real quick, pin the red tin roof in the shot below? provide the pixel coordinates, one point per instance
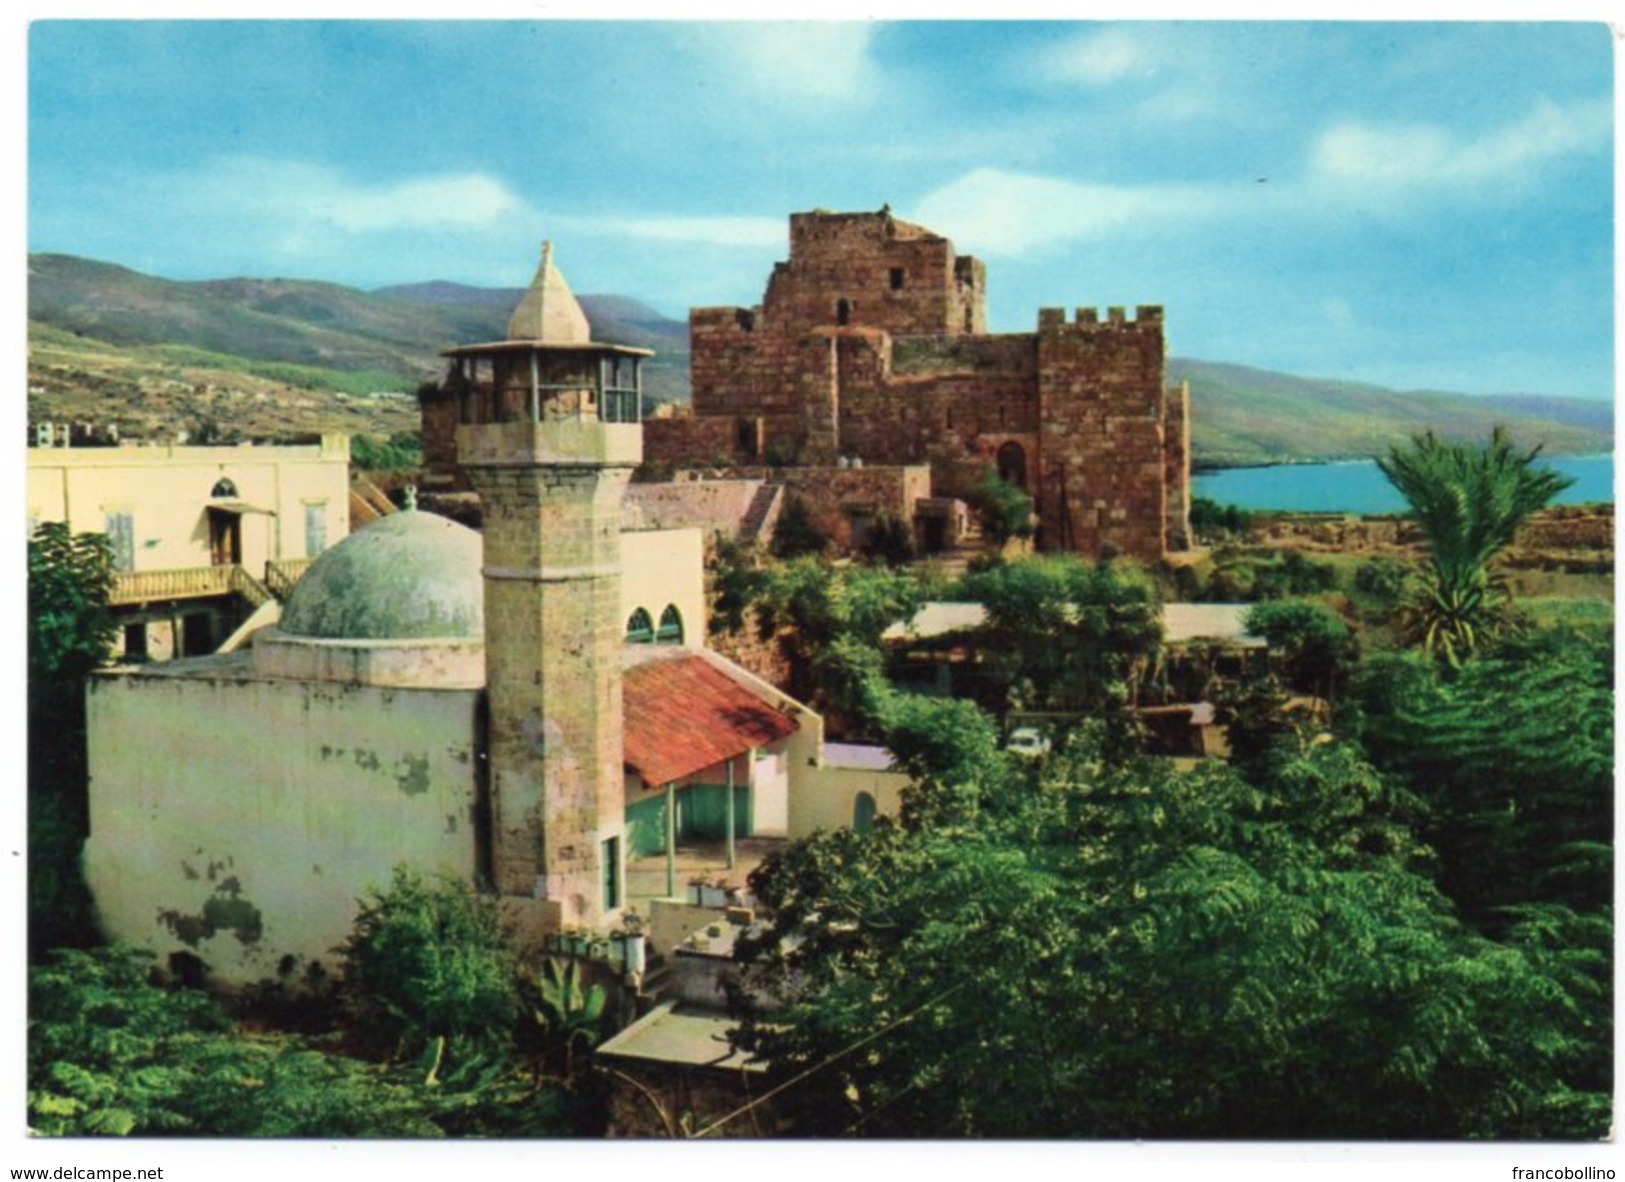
(683, 715)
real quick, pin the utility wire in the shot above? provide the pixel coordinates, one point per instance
(819, 1066)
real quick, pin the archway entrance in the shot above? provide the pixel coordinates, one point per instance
(863, 813)
(1012, 458)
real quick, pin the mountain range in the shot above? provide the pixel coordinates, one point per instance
(283, 356)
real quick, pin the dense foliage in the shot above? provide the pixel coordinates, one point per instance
(1118, 950)
(1004, 511)
(400, 452)
(1212, 522)
(1065, 635)
(1514, 755)
(429, 971)
(796, 534)
(70, 633)
(111, 1053)
(1314, 648)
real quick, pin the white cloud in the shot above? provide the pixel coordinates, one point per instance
(1099, 58)
(1417, 155)
(803, 59)
(1003, 213)
(296, 200)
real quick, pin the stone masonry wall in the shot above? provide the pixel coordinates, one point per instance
(674, 442)
(885, 273)
(837, 497)
(552, 557)
(1101, 438)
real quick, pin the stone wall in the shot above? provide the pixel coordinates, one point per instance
(841, 501)
(554, 629)
(870, 343)
(1570, 527)
(1102, 444)
(669, 443)
(714, 506)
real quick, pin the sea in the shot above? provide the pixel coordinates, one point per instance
(1358, 486)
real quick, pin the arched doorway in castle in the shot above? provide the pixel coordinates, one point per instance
(1012, 460)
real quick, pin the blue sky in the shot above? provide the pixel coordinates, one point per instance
(1417, 205)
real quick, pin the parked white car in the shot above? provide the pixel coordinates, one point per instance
(1028, 742)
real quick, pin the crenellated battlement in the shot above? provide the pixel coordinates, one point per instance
(1145, 316)
(871, 340)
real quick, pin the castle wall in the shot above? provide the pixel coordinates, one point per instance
(669, 443)
(842, 502)
(891, 275)
(1101, 436)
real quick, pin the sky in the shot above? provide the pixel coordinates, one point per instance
(1418, 205)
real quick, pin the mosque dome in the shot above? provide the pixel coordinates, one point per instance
(406, 576)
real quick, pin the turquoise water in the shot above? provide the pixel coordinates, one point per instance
(1357, 486)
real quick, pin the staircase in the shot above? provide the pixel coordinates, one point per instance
(367, 502)
(652, 989)
(762, 514)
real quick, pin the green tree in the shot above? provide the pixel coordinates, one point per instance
(1514, 756)
(1065, 635)
(1314, 647)
(112, 1053)
(70, 633)
(402, 451)
(1122, 950)
(809, 604)
(1468, 502)
(796, 534)
(1004, 511)
(429, 970)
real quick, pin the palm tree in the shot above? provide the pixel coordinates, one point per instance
(1469, 502)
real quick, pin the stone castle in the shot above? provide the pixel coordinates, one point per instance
(870, 346)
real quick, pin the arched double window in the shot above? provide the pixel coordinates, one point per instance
(223, 488)
(640, 629)
(671, 626)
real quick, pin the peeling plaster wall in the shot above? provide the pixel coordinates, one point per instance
(241, 820)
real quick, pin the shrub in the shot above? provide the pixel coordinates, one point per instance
(890, 540)
(1004, 510)
(796, 533)
(1210, 520)
(429, 968)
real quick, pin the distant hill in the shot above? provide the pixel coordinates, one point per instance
(109, 342)
(1242, 416)
(396, 333)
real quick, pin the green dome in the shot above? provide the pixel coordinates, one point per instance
(407, 576)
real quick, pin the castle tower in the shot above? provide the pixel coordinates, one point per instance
(549, 432)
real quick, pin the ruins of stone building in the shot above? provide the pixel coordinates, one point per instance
(870, 345)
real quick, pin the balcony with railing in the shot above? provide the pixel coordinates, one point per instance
(204, 582)
(148, 586)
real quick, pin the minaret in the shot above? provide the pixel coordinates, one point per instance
(549, 432)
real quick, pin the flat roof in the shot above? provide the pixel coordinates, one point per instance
(681, 1038)
(858, 757)
(1181, 623)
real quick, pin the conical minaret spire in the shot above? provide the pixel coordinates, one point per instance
(549, 312)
